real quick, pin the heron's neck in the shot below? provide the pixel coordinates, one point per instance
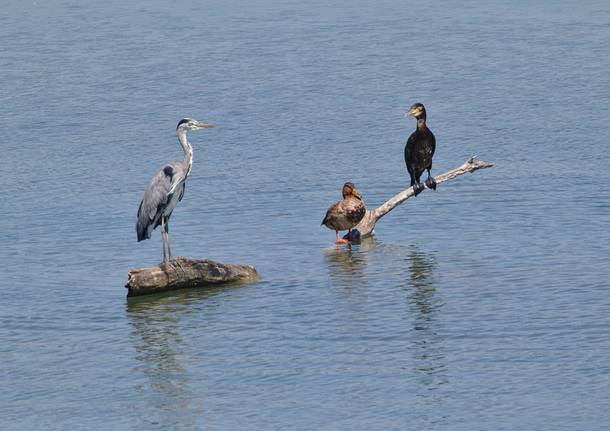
(188, 151)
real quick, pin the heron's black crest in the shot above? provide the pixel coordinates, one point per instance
(184, 120)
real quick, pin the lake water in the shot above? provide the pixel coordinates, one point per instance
(483, 305)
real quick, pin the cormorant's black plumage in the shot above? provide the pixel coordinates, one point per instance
(419, 150)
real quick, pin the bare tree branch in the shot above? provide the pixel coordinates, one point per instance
(367, 224)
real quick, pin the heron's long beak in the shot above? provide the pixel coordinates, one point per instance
(205, 125)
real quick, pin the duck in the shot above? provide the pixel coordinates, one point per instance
(419, 150)
(345, 214)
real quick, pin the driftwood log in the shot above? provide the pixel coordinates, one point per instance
(367, 224)
(182, 272)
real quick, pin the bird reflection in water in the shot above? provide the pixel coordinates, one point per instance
(156, 327)
(424, 310)
(349, 262)
(421, 267)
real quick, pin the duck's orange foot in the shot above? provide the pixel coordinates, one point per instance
(339, 240)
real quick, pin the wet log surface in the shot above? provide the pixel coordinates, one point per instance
(182, 272)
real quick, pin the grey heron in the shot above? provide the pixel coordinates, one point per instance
(166, 189)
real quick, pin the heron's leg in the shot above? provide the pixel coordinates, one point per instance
(164, 239)
(169, 248)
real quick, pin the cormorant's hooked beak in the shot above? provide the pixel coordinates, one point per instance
(357, 194)
(414, 112)
(204, 125)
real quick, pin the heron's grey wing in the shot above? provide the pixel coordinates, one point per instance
(178, 180)
(154, 200)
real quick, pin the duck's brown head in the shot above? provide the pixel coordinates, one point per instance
(349, 189)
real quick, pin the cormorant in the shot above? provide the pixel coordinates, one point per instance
(346, 214)
(419, 150)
